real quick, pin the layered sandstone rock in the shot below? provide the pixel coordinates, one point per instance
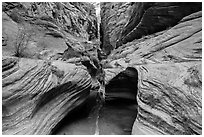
(44, 47)
(77, 18)
(113, 17)
(152, 76)
(44, 30)
(124, 22)
(181, 43)
(38, 94)
(170, 78)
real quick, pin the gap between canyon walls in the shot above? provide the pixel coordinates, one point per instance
(109, 110)
(109, 68)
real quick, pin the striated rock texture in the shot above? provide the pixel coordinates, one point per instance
(53, 69)
(77, 18)
(38, 94)
(113, 15)
(47, 30)
(124, 22)
(49, 63)
(169, 77)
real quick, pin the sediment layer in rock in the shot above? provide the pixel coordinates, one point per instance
(170, 78)
(37, 94)
(153, 74)
(125, 22)
(49, 30)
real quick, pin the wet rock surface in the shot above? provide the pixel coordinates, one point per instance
(142, 77)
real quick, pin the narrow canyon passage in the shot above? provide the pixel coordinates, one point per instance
(113, 119)
(113, 116)
(101, 68)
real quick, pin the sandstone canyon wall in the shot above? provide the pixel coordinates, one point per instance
(45, 45)
(124, 22)
(163, 41)
(137, 72)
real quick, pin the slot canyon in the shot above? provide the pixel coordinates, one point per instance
(101, 68)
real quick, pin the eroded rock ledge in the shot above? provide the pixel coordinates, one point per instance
(38, 94)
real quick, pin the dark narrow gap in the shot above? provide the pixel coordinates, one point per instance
(114, 116)
(120, 108)
(101, 36)
(79, 113)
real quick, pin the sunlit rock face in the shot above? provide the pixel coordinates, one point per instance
(77, 18)
(170, 99)
(169, 78)
(38, 94)
(124, 22)
(48, 29)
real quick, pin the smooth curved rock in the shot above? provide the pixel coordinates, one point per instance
(123, 22)
(169, 99)
(37, 94)
(169, 78)
(157, 17)
(153, 84)
(181, 43)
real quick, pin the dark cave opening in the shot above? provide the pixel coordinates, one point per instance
(115, 115)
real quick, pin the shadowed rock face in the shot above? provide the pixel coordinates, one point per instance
(120, 108)
(156, 17)
(123, 86)
(124, 22)
(37, 94)
(115, 116)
